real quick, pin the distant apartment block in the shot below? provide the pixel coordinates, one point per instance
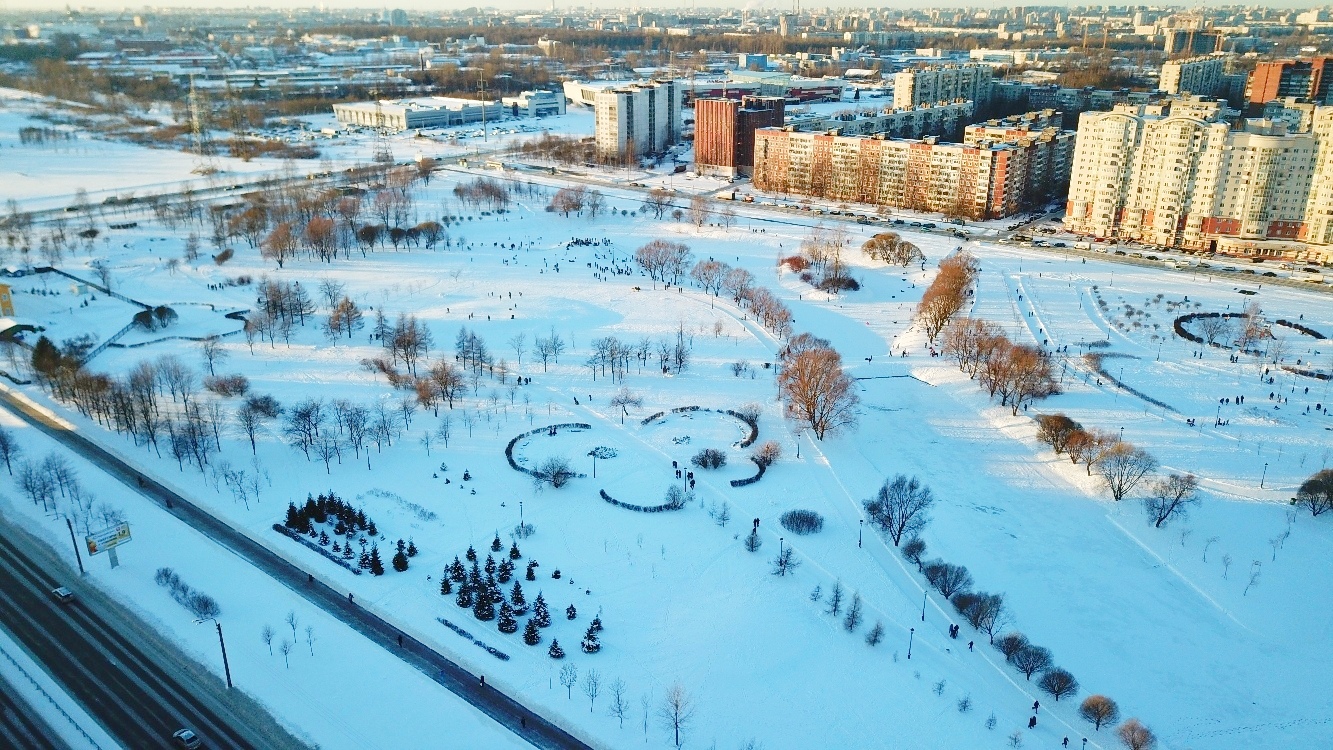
(409, 114)
(939, 83)
(1304, 79)
(724, 132)
(944, 119)
(1192, 42)
(1175, 175)
(640, 119)
(1204, 75)
(984, 179)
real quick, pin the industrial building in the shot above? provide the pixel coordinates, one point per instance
(410, 114)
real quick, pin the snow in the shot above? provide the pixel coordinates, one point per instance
(59, 710)
(1134, 612)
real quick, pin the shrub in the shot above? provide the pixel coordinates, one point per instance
(709, 458)
(839, 283)
(796, 263)
(677, 497)
(228, 385)
(554, 470)
(802, 521)
(224, 256)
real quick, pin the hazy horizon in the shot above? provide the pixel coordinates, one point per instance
(526, 5)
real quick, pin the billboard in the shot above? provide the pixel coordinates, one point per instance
(108, 538)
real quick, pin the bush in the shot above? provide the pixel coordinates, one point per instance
(224, 256)
(709, 458)
(228, 385)
(802, 522)
(767, 454)
(554, 470)
(839, 283)
(796, 263)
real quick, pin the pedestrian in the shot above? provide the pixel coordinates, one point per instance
(1065, 743)
(310, 578)
(523, 722)
(1035, 705)
(400, 640)
(483, 680)
(349, 598)
(969, 645)
(1032, 722)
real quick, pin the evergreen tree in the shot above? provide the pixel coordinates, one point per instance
(400, 561)
(532, 635)
(484, 609)
(507, 623)
(495, 545)
(45, 357)
(471, 554)
(293, 518)
(411, 548)
(555, 652)
(376, 564)
(371, 530)
(596, 625)
(532, 567)
(363, 562)
(590, 643)
(457, 572)
(490, 565)
(464, 597)
(446, 588)
(571, 613)
(474, 576)
(402, 546)
(323, 539)
(514, 554)
(516, 598)
(540, 613)
(505, 571)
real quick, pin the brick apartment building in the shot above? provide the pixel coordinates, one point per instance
(724, 132)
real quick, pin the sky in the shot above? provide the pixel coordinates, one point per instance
(429, 5)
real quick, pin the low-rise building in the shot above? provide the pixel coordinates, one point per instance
(410, 114)
(535, 103)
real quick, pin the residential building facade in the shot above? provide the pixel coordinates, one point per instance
(641, 119)
(940, 83)
(1204, 75)
(724, 132)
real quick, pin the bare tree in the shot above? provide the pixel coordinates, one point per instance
(853, 619)
(1213, 326)
(1171, 497)
(677, 711)
(1099, 711)
(266, 635)
(817, 391)
(592, 685)
(10, 449)
(285, 648)
(901, 507)
(784, 563)
(569, 676)
(1315, 494)
(1032, 659)
(1055, 430)
(1135, 736)
(518, 342)
(700, 211)
(619, 706)
(947, 578)
(985, 612)
(213, 354)
(1124, 467)
(1058, 683)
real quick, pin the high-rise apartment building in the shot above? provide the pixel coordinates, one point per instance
(1190, 41)
(943, 83)
(724, 132)
(1203, 76)
(1311, 80)
(1175, 175)
(984, 179)
(640, 119)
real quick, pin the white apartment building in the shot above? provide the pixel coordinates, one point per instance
(1204, 75)
(943, 83)
(1173, 175)
(641, 119)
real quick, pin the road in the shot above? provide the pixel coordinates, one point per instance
(504, 709)
(21, 727)
(139, 686)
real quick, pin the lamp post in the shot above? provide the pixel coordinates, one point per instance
(1264, 476)
(75, 541)
(520, 514)
(924, 594)
(226, 667)
(860, 524)
(911, 634)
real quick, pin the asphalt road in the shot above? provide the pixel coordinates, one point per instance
(504, 709)
(21, 727)
(137, 685)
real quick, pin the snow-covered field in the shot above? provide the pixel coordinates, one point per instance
(1132, 611)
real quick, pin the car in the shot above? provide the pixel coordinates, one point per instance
(928, 225)
(186, 738)
(62, 594)
(899, 222)
(1060, 244)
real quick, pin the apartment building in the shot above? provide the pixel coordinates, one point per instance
(945, 119)
(942, 83)
(1311, 80)
(984, 179)
(1175, 174)
(640, 119)
(1204, 75)
(724, 132)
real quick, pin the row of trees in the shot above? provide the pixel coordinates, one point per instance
(1017, 373)
(947, 293)
(1121, 465)
(576, 200)
(891, 248)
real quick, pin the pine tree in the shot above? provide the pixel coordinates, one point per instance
(571, 613)
(507, 623)
(875, 635)
(411, 548)
(371, 530)
(446, 588)
(484, 609)
(464, 597)
(402, 546)
(514, 554)
(495, 545)
(490, 565)
(293, 517)
(474, 576)
(376, 564)
(540, 613)
(323, 539)
(596, 625)
(555, 652)
(532, 567)
(590, 643)
(505, 571)
(457, 572)
(532, 635)
(363, 562)
(400, 561)
(516, 598)
(471, 554)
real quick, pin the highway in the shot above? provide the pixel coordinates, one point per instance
(21, 727)
(504, 709)
(139, 686)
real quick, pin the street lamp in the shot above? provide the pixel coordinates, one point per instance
(226, 667)
(1264, 476)
(924, 593)
(860, 524)
(911, 634)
